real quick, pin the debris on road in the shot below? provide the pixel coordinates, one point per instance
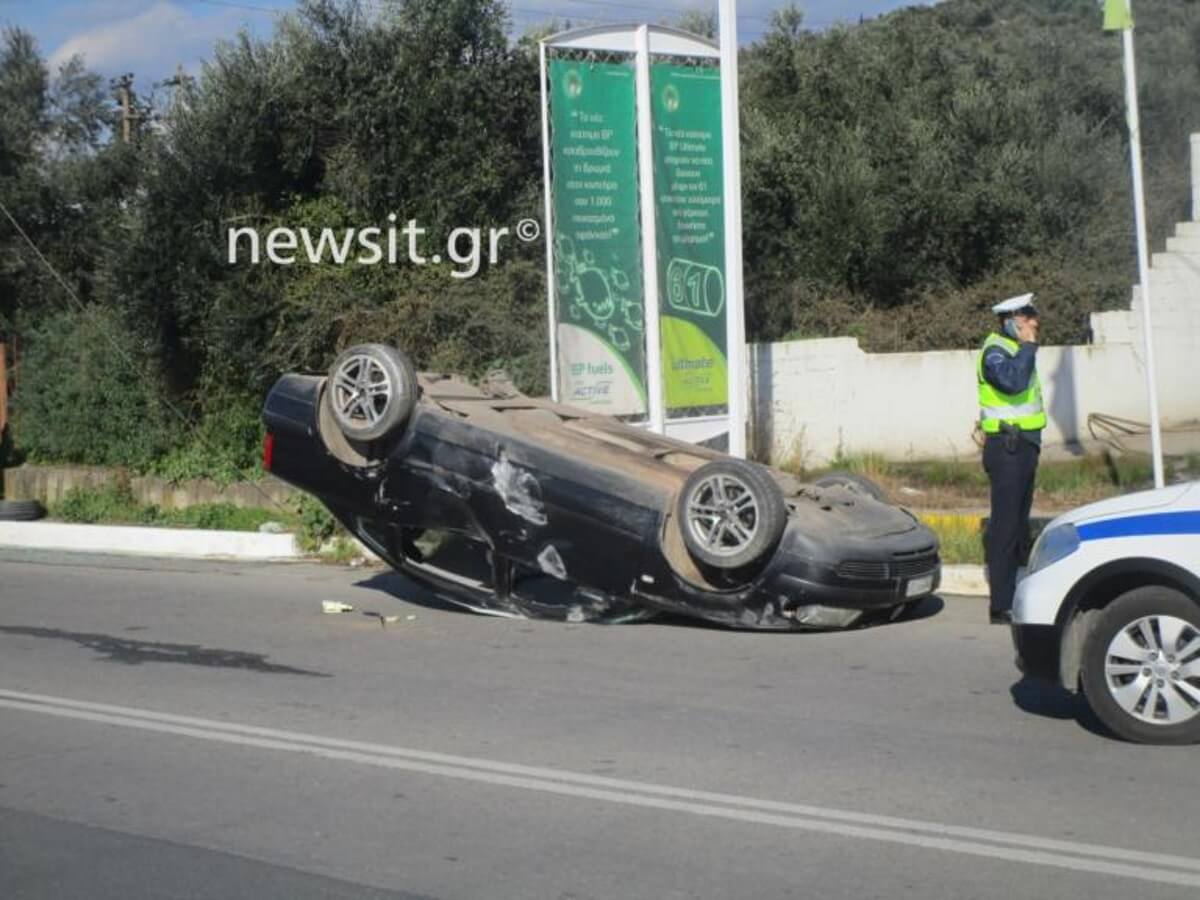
(333, 607)
(384, 621)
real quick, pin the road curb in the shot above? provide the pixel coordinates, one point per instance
(195, 543)
(968, 580)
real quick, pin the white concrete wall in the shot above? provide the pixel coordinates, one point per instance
(814, 398)
(1196, 177)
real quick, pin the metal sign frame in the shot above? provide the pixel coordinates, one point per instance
(643, 42)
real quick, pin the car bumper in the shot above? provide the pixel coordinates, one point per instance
(1038, 597)
(1037, 649)
(792, 597)
(830, 591)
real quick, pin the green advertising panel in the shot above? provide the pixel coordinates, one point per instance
(688, 188)
(597, 248)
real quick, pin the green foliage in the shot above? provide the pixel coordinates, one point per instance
(220, 517)
(88, 396)
(57, 177)
(315, 524)
(944, 474)
(902, 174)
(342, 549)
(115, 504)
(224, 446)
(1055, 480)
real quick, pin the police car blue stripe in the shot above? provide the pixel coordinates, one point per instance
(1143, 525)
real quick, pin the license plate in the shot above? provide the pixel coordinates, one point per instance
(918, 586)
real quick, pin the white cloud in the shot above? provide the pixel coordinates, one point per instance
(150, 43)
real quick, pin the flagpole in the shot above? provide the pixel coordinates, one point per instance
(1139, 208)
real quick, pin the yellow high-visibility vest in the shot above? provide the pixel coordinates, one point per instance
(1024, 410)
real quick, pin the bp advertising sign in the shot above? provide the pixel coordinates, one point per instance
(688, 190)
(597, 250)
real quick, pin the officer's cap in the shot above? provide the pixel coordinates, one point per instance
(1022, 304)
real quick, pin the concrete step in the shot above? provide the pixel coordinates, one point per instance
(1188, 229)
(1182, 297)
(1188, 245)
(1180, 267)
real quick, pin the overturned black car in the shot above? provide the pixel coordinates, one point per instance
(517, 506)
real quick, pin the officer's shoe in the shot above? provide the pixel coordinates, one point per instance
(1000, 616)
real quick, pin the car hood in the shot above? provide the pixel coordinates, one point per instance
(1175, 495)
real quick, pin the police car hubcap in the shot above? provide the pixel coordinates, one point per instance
(1152, 668)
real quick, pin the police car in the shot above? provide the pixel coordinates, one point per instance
(1110, 605)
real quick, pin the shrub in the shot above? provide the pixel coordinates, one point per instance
(225, 446)
(88, 395)
(316, 524)
(113, 503)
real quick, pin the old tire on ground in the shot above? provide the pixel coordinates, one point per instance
(1141, 666)
(371, 391)
(20, 510)
(860, 484)
(732, 514)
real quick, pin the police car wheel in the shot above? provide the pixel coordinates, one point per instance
(1141, 667)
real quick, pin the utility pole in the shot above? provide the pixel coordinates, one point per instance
(179, 81)
(124, 88)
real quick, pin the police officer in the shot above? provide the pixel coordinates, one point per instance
(1012, 416)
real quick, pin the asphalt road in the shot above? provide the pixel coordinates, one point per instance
(191, 730)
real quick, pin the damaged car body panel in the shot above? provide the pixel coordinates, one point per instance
(517, 506)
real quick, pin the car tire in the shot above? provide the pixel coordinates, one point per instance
(731, 513)
(859, 484)
(1134, 676)
(20, 510)
(372, 390)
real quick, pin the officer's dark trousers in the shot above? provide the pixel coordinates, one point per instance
(1011, 463)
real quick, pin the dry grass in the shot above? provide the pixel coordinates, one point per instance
(963, 484)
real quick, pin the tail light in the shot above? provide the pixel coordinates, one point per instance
(268, 451)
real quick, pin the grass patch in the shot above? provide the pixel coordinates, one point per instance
(960, 537)
(869, 465)
(114, 504)
(958, 484)
(317, 531)
(943, 474)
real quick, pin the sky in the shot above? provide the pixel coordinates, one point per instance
(151, 38)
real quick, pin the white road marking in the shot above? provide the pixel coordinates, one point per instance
(1011, 846)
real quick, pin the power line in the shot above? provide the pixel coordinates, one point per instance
(230, 5)
(665, 12)
(120, 351)
(643, 8)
